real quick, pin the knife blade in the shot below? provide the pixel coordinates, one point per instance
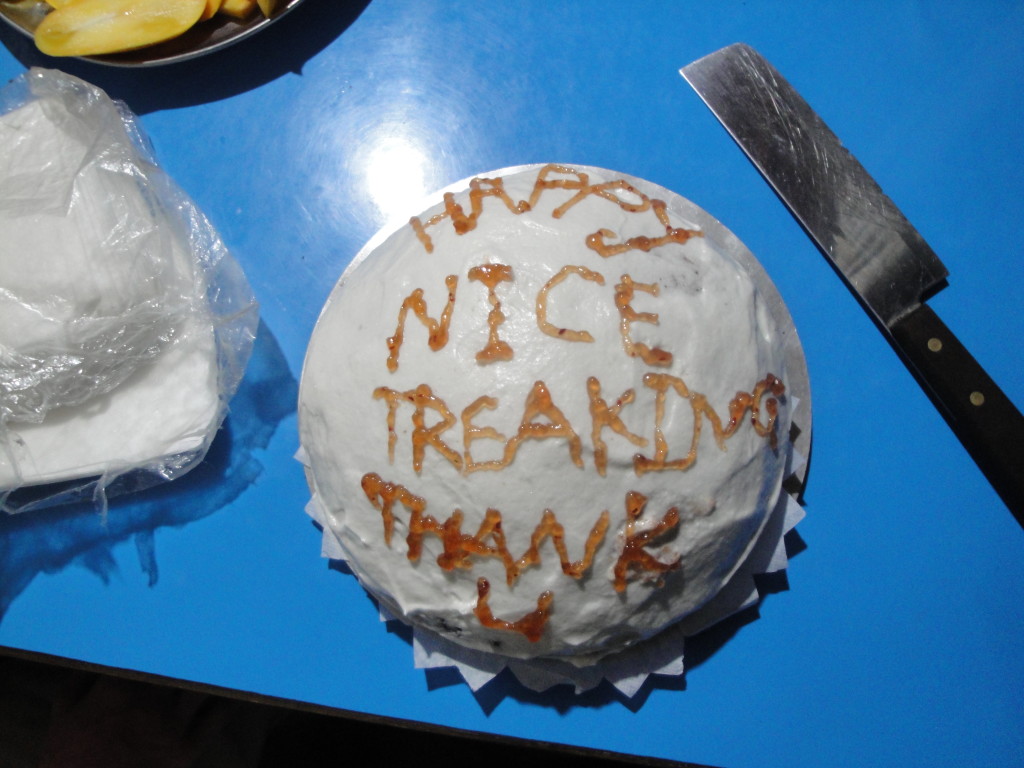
(883, 260)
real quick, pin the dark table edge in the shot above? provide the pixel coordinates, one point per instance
(317, 724)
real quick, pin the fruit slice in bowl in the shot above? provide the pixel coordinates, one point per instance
(140, 33)
(97, 27)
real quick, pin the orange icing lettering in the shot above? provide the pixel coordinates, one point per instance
(421, 398)
(662, 382)
(459, 547)
(550, 527)
(680, 235)
(624, 292)
(539, 403)
(542, 303)
(603, 416)
(490, 275)
(752, 401)
(531, 625)
(577, 182)
(580, 181)
(604, 190)
(461, 222)
(437, 330)
(634, 556)
(471, 432)
(383, 495)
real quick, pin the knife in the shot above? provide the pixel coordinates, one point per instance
(883, 260)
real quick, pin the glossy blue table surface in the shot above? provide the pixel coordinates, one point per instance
(898, 639)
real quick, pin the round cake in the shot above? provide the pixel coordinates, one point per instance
(549, 416)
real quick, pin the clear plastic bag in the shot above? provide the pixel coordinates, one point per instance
(125, 324)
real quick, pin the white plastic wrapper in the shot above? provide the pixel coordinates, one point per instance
(125, 324)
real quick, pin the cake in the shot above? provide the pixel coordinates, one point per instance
(547, 417)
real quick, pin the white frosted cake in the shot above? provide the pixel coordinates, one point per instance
(548, 417)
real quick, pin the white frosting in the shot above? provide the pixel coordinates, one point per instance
(710, 318)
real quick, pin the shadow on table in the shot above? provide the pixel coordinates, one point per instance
(284, 46)
(49, 540)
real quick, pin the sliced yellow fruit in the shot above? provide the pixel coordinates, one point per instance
(59, 3)
(95, 27)
(239, 9)
(26, 6)
(267, 6)
(212, 6)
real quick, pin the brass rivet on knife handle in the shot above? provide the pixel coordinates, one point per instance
(871, 244)
(987, 423)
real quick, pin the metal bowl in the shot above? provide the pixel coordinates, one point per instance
(205, 37)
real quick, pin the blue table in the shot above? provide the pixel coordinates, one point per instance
(898, 640)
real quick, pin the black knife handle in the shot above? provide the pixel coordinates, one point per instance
(982, 417)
